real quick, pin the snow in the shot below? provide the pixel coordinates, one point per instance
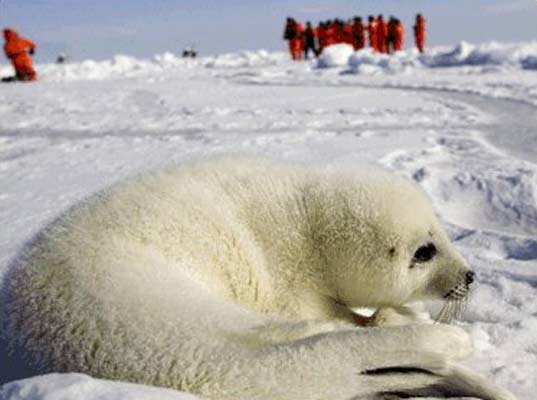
(491, 54)
(335, 56)
(460, 121)
(78, 386)
(368, 63)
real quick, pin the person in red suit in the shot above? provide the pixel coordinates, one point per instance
(19, 51)
(372, 32)
(358, 33)
(420, 33)
(348, 36)
(382, 34)
(297, 43)
(331, 33)
(399, 36)
(294, 33)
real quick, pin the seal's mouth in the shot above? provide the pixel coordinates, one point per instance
(456, 299)
(457, 293)
(455, 304)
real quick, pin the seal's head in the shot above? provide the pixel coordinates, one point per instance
(386, 247)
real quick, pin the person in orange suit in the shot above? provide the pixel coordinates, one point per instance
(289, 33)
(293, 33)
(358, 33)
(19, 50)
(297, 43)
(331, 33)
(372, 32)
(338, 30)
(399, 35)
(382, 35)
(420, 33)
(348, 36)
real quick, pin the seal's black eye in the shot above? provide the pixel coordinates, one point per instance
(424, 253)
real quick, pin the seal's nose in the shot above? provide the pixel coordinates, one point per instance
(470, 275)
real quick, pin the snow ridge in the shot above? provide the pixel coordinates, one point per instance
(490, 55)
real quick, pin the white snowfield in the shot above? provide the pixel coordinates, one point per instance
(460, 121)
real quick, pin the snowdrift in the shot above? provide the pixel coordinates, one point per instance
(123, 66)
(494, 54)
(502, 200)
(497, 55)
(82, 387)
(335, 56)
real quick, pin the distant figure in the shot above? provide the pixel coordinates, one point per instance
(382, 33)
(372, 32)
(390, 38)
(289, 34)
(19, 51)
(321, 37)
(331, 33)
(338, 31)
(293, 33)
(420, 33)
(309, 41)
(399, 39)
(189, 52)
(358, 33)
(62, 58)
(298, 42)
(348, 36)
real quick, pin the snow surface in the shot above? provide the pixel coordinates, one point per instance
(78, 386)
(460, 121)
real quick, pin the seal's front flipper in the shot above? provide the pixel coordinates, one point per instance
(458, 382)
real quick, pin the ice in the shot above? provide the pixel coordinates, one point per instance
(367, 62)
(78, 387)
(336, 55)
(459, 120)
(492, 55)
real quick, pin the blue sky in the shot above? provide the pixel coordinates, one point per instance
(101, 28)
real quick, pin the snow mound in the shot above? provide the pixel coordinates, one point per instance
(82, 387)
(464, 54)
(122, 66)
(367, 62)
(489, 54)
(118, 66)
(337, 55)
(504, 201)
(245, 59)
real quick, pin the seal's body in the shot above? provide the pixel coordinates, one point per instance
(236, 279)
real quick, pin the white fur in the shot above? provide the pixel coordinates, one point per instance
(235, 279)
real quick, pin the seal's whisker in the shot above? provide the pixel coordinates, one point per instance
(445, 313)
(453, 308)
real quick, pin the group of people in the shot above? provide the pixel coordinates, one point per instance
(383, 36)
(19, 51)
